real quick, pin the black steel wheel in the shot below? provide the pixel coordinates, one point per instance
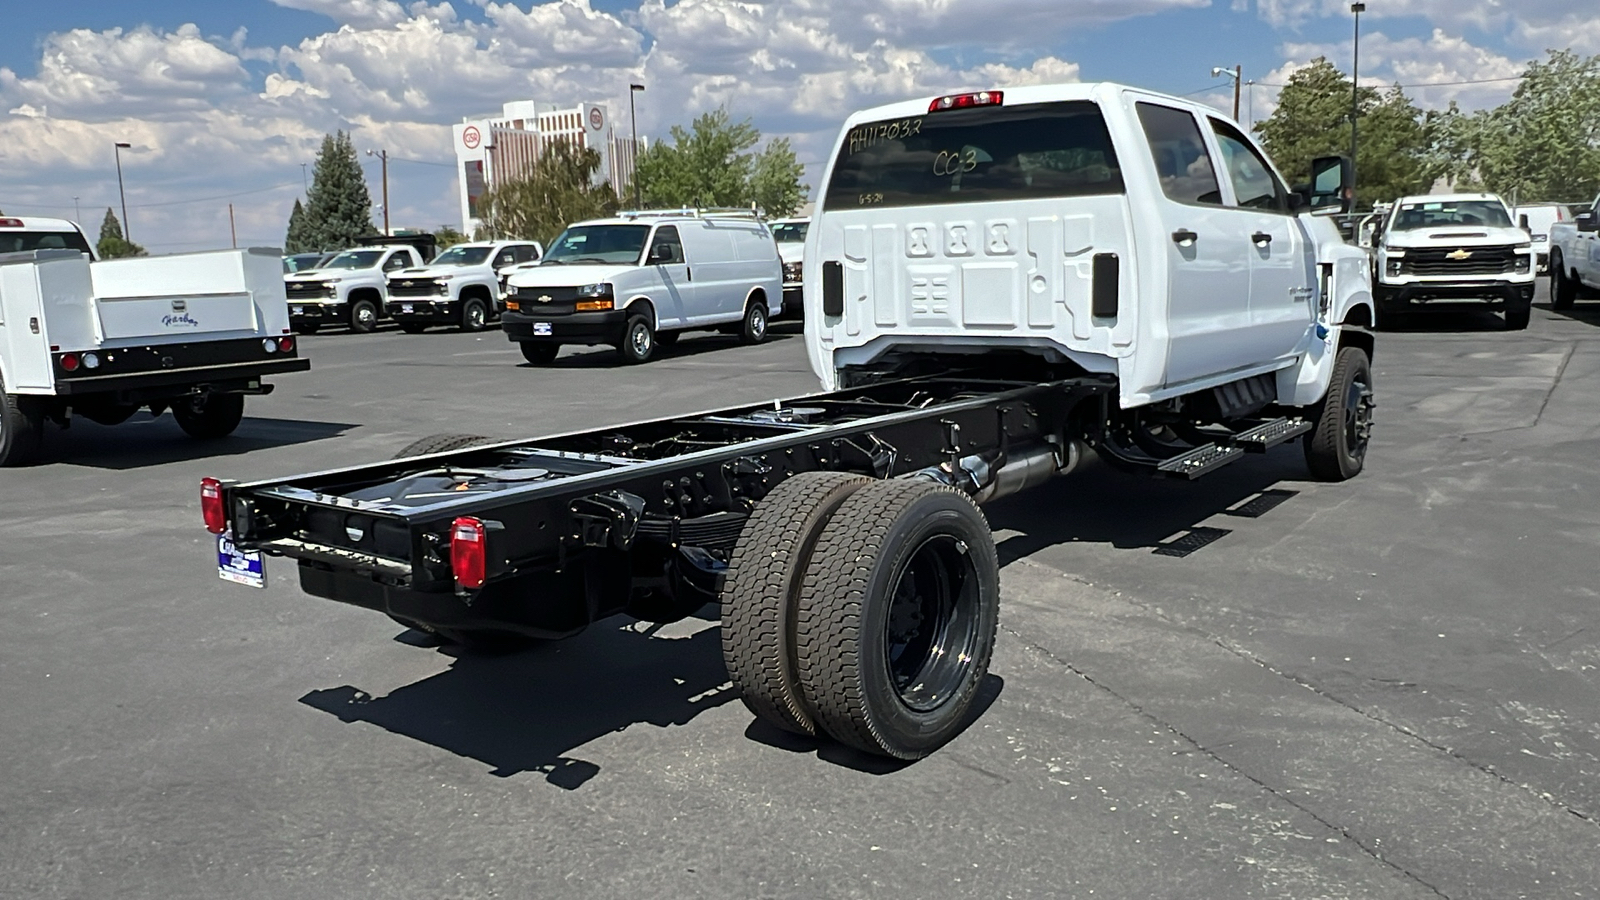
(1336, 449)
(754, 328)
(363, 316)
(896, 617)
(1563, 290)
(21, 429)
(474, 315)
(761, 587)
(538, 353)
(638, 340)
(210, 416)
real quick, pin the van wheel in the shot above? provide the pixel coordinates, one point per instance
(474, 315)
(1563, 290)
(895, 621)
(540, 354)
(363, 316)
(638, 341)
(211, 416)
(21, 429)
(754, 328)
(1336, 448)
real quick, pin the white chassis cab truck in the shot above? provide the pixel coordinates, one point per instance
(349, 289)
(1453, 252)
(460, 286)
(996, 284)
(192, 333)
(1575, 257)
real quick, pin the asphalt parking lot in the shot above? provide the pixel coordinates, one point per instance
(1252, 686)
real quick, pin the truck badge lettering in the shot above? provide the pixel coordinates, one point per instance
(1459, 255)
(184, 320)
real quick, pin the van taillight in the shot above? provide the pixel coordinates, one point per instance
(468, 552)
(962, 101)
(211, 507)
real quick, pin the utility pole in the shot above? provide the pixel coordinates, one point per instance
(1237, 72)
(384, 156)
(633, 153)
(1355, 95)
(232, 228)
(127, 231)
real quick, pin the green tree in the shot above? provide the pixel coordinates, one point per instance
(448, 236)
(1313, 119)
(295, 240)
(1451, 138)
(112, 245)
(713, 163)
(558, 192)
(338, 209)
(1544, 143)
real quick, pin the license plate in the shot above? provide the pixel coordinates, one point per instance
(240, 566)
(407, 307)
(542, 329)
(298, 311)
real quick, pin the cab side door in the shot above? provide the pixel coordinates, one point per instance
(1283, 276)
(676, 299)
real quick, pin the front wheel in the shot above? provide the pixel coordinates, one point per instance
(1563, 290)
(210, 416)
(754, 328)
(363, 316)
(1517, 317)
(540, 354)
(638, 341)
(474, 315)
(1336, 448)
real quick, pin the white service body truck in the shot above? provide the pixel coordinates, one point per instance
(192, 333)
(1575, 257)
(349, 289)
(460, 286)
(1453, 252)
(996, 283)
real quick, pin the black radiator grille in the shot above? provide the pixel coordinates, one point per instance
(1459, 261)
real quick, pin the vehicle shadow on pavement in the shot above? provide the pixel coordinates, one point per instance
(1587, 312)
(143, 441)
(1101, 505)
(528, 711)
(1446, 323)
(689, 346)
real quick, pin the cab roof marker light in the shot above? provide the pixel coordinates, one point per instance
(963, 101)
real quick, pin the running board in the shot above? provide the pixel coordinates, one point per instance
(1199, 461)
(1267, 435)
(1208, 458)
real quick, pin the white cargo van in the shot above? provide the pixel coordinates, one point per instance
(643, 278)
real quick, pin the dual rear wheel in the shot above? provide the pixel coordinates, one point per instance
(864, 610)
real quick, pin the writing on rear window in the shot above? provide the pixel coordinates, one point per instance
(869, 135)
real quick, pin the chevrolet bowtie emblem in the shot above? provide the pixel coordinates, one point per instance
(1459, 255)
(545, 298)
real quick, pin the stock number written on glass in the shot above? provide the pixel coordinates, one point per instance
(869, 199)
(954, 162)
(870, 135)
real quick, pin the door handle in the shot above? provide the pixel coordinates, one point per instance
(1261, 238)
(1184, 237)
(688, 274)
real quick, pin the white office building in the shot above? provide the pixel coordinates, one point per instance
(490, 150)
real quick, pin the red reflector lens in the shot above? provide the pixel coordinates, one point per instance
(962, 101)
(10, 223)
(468, 552)
(69, 362)
(286, 344)
(211, 507)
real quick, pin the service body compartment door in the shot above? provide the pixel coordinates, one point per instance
(182, 297)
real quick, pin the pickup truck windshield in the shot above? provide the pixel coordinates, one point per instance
(462, 256)
(1453, 213)
(28, 241)
(790, 232)
(354, 259)
(976, 155)
(598, 244)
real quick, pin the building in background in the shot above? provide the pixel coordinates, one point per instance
(491, 150)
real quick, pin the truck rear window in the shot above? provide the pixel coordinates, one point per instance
(29, 241)
(976, 155)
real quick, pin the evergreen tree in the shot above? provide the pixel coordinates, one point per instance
(338, 209)
(295, 240)
(112, 245)
(775, 180)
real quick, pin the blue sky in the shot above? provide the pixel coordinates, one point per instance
(223, 101)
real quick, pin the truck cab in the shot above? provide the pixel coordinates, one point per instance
(1453, 252)
(461, 286)
(193, 333)
(349, 288)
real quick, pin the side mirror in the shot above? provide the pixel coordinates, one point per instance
(1332, 178)
(1585, 222)
(1522, 222)
(658, 255)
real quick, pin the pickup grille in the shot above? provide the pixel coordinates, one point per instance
(1450, 263)
(306, 290)
(413, 287)
(535, 297)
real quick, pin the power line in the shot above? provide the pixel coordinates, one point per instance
(217, 197)
(1427, 84)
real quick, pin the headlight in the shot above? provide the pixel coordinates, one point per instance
(791, 271)
(598, 289)
(443, 287)
(511, 290)
(333, 281)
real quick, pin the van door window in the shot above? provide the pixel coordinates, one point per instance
(1254, 185)
(1182, 161)
(666, 249)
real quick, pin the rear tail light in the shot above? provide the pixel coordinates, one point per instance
(962, 101)
(468, 552)
(286, 344)
(69, 362)
(211, 506)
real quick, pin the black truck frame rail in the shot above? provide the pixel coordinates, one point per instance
(640, 518)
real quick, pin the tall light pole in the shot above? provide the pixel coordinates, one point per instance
(127, 233)
(633, 151)
(1235, 73)
(1355, 94)
(304, 181)
(384, 155)
(78, 210)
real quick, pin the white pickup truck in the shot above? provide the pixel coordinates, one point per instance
(192, 333)
(349, 289)
(1575, 257)
(461, 286)
(1453, 252)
